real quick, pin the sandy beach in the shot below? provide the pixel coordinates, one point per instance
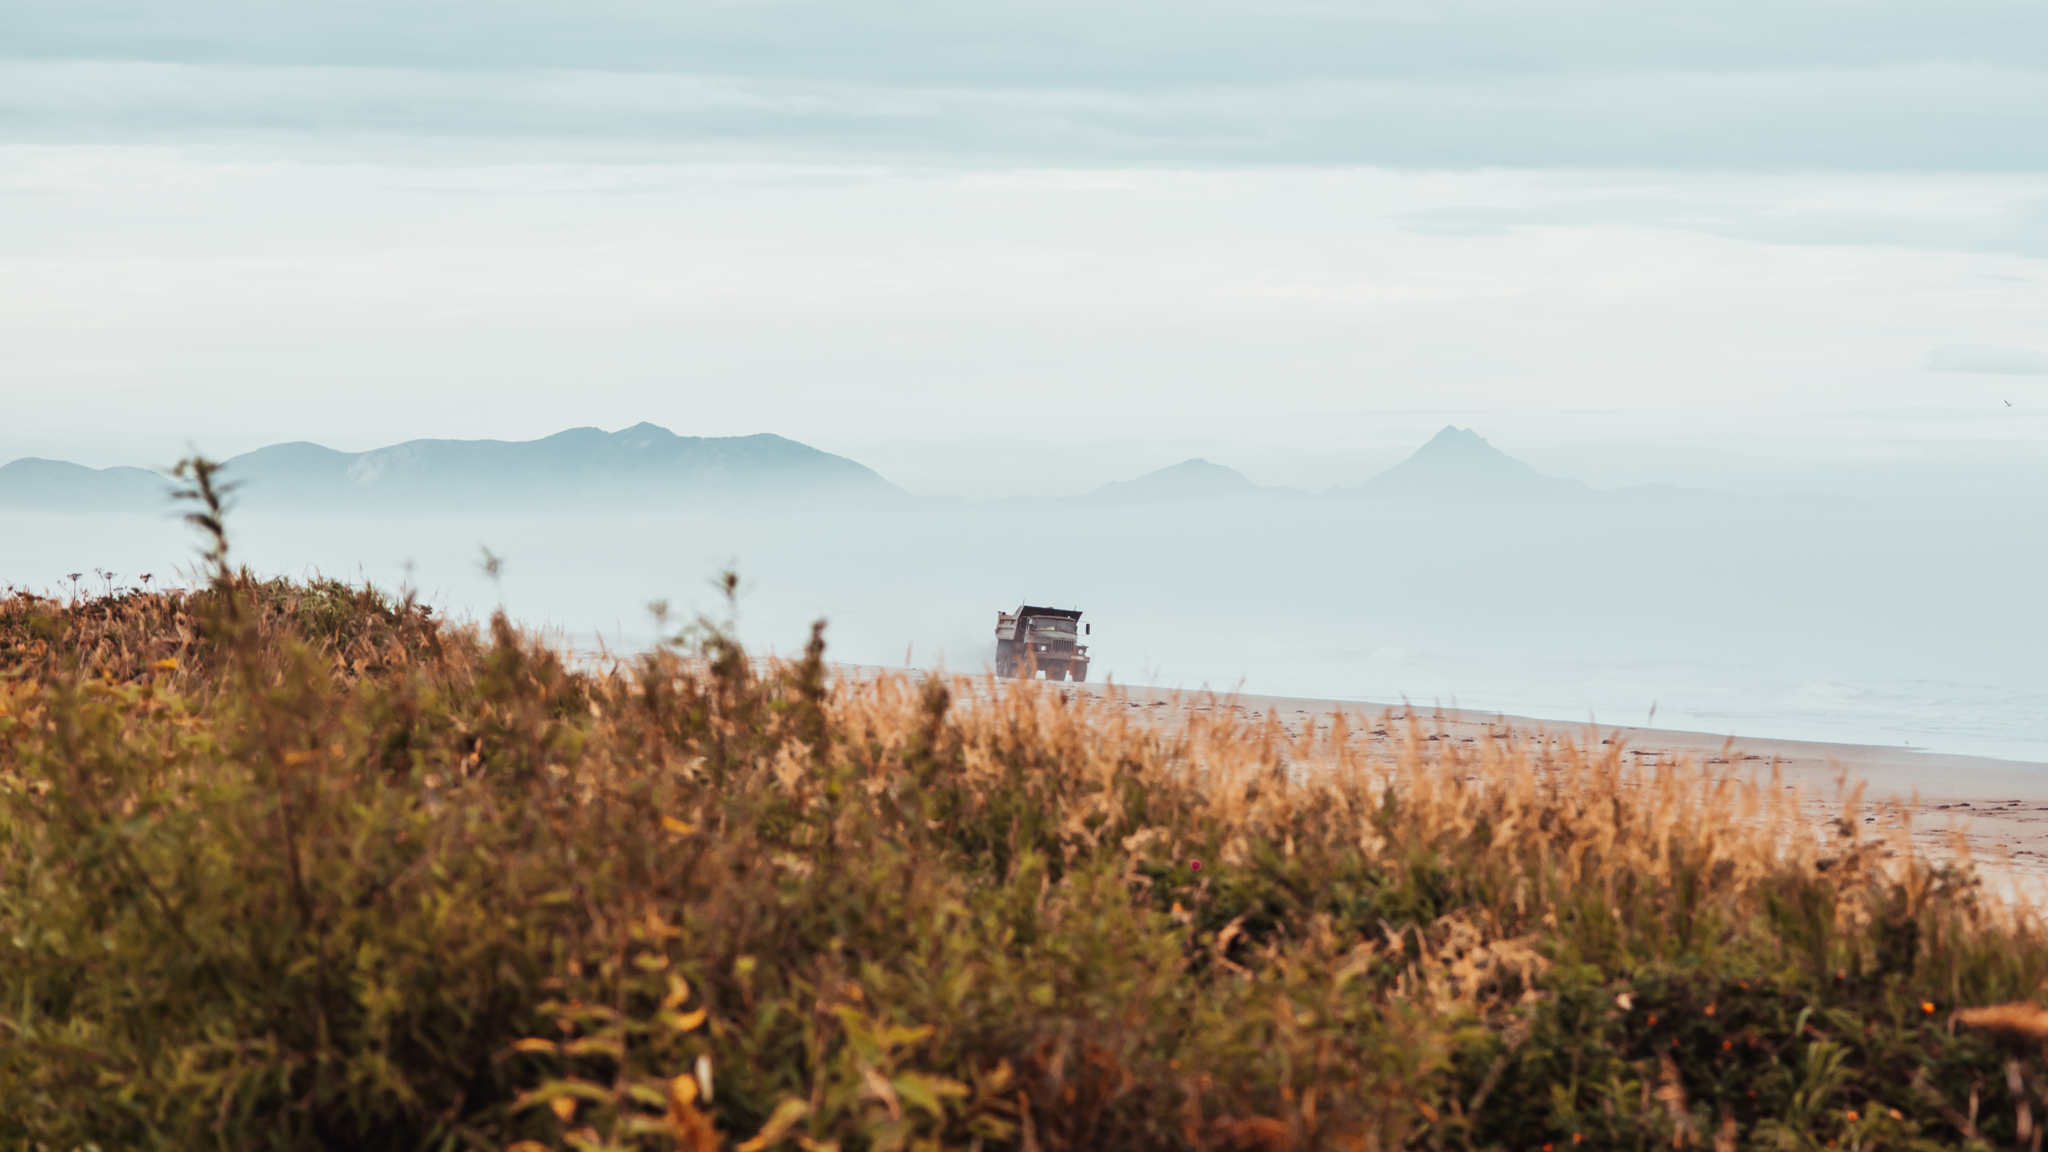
(1998, 807)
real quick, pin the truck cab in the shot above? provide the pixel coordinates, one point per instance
(1032, 640)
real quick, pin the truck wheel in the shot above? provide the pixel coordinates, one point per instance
(1080, 673)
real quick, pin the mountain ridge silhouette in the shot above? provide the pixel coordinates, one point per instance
(643, 463)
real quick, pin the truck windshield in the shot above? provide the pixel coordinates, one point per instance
(1042, 624)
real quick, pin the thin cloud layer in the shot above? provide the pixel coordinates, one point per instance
(1890, 85)
(1991, 359)
(1133, 45)
(2004, 216)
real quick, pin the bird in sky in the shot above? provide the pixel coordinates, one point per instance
(2008, 403)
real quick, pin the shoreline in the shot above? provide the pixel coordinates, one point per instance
(1998, 808)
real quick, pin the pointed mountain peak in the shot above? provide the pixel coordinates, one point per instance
(1201, 471)
(1459, 463)
(1452, 438)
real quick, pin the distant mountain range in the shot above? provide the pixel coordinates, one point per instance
(644, 464)
(649, 465)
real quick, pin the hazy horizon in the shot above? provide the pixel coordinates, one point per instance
(1794, 252)
(1867, 620)
(1893, 454)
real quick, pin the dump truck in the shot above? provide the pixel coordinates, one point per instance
(1033, 640)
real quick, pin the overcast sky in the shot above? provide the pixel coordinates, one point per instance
(992, 247)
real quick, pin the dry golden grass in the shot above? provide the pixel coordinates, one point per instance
(2023, 1021)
